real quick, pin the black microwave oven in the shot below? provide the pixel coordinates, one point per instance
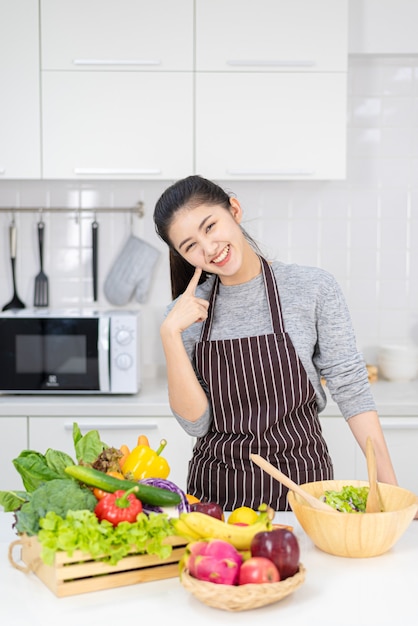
(47, 351)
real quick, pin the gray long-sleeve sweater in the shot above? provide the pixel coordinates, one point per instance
(317, 320)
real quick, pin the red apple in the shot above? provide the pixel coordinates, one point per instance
(280, 546)
(258, 569)
(209, 508)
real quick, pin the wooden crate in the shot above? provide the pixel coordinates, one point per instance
(80, 574)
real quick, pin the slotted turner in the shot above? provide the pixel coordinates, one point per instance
(41, 297)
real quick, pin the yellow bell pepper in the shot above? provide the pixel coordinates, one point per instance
(144, 462)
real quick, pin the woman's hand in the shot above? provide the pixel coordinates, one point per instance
(188, 308)
(187, 398)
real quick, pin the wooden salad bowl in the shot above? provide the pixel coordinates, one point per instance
(355, 534)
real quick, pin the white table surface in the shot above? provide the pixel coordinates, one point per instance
(337, 591)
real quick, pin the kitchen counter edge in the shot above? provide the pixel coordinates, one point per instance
(392, 399)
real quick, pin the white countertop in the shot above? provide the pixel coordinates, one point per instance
(392, 399)
(337, 591)
(152, 400)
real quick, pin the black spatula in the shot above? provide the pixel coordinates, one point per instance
(94, 237)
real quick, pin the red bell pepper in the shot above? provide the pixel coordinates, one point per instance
(120, 506)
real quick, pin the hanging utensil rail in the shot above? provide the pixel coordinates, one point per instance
(137, 209)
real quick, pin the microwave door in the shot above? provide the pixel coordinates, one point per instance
(104, 353)
(49, 355)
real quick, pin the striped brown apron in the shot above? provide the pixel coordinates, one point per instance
(262, 403)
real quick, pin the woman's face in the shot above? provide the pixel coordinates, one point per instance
(209, 236)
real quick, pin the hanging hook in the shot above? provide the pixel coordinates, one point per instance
(140, 212)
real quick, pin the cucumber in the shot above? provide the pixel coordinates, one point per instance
(147, 494)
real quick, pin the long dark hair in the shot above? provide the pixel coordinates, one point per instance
(188, 192)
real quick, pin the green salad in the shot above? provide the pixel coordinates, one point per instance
(348, 500)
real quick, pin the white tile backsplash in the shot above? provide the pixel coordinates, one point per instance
(363, 229)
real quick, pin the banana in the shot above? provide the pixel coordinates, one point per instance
(183, 530)
(207, 527)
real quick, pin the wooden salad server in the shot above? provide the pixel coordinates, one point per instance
(288, 482)
(373, 500)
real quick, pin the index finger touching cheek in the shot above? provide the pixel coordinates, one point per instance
(194, 281)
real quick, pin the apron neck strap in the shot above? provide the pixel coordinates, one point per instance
(273, 301)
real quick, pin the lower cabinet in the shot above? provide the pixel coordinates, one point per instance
(342, 446)
(56, 432)
(401, 434)
(13, 439)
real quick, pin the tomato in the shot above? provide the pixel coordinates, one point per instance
(243, 515)
(258, 569)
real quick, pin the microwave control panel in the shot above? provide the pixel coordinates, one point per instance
(124, 354)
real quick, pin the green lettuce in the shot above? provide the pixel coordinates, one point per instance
(348, 500)
(81, 530)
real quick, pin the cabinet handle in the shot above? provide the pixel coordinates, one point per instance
(270, 63)
(116, 62)
(272, 172)
(112, 426)
(103, 171)
(397, 424)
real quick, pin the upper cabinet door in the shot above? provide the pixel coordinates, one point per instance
(270, 126)
(117, 125)
(383, 27)
(20, 151)
(280, 35)
(117, 34)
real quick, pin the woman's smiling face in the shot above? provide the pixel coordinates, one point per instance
(209, 236)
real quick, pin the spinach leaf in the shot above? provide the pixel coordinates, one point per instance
(77, 434)
(34, 469)
(88, 446)
(58, 461)
(12, 500)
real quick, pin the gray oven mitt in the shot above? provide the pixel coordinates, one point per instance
(131, 272)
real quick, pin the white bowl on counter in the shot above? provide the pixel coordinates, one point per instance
(398, 362)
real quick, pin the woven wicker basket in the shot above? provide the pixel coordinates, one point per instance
(242, 597)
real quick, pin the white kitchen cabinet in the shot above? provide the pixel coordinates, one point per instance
(112, 125)
(271, 126)
(13, 439)
(117, 89)
(56, 432)
(271, 94)
(20, 137)
(128, 35)
(401, 436)
(383, 27)
(297, 36)
(342, 446)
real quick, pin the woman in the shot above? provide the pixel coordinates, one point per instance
(246, 343)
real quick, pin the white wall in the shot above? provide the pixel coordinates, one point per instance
(364, 229)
